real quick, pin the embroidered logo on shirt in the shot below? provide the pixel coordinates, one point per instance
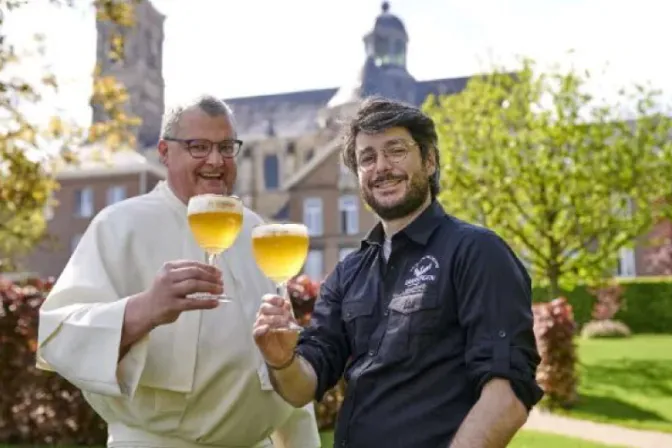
(423, 271)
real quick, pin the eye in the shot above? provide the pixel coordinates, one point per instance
(199, 147)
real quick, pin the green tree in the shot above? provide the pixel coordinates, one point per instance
(563, 177)
(27, 177)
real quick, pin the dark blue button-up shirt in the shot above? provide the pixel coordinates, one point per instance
(418, 335)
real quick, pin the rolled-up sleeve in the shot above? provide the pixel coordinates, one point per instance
(495, 309)
(324, 343)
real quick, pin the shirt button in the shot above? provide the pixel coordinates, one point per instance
(502, 333)
(371, 353)
(386, 312)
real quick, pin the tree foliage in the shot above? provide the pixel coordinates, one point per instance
(563, 177)
(27, 174)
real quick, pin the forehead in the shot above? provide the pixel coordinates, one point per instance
(372, 141)
(194, 123)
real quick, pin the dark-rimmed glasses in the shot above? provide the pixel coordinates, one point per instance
(200, 148)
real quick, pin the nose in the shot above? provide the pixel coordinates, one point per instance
(215, 157)
(382, 164)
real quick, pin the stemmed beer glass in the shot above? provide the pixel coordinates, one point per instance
(280, 251)
(215, 221)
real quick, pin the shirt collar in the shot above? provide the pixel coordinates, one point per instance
(419, 230)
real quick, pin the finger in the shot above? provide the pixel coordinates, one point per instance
(270, 310)
(196, 272)
(197, 304)
(273, 299)
(177, 264)
(259, 331)
(190, 286)
(280, 321)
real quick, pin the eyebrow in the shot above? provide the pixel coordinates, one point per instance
(391, 142)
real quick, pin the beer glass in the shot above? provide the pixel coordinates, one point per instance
(280, 251)
(215, 221)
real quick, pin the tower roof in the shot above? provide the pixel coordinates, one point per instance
(387, 20)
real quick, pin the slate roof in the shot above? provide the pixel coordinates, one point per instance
(283, 115)
(293, 114)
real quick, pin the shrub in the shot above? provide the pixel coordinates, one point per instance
(646, 303)
(554, 330)
(607, 305)
(606, 328)
(303, 293)
(37, 407)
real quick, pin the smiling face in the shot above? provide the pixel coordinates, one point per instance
(189, 176)
(393, 178)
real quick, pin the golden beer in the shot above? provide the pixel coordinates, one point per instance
(215, 221)
(280, 249)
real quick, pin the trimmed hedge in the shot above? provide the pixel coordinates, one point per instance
(647, 304)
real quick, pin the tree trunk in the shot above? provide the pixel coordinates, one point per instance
(553, 282)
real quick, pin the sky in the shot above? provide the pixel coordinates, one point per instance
(238, 48)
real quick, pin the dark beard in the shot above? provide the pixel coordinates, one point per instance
(411, 202)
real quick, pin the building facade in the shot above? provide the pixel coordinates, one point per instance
(289, 168)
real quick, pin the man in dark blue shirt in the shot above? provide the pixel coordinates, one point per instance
(430, 320)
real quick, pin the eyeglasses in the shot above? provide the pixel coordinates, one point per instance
(200, 148)
(393, 154)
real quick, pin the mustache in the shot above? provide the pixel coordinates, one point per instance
(387, 177)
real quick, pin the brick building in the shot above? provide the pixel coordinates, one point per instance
(289, 168)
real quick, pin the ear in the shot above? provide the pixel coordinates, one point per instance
(162, 147)
(430, 163)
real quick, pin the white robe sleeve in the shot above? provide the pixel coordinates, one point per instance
(81, 320)
(299, 431)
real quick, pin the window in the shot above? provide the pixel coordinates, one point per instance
(115, 194)
(84, 202)
(74, 242)
(344, 252)
(312, 216)
(271, 172)
(348, 208)
(626, 263)
(314, 265)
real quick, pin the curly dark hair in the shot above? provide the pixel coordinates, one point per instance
(376, 114)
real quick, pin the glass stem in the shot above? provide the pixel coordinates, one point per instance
(212, 258)
(282, 290)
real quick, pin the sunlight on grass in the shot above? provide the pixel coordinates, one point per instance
(524, 439)
(626, 382)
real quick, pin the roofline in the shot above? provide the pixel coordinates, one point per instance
(111, 171)
(279, 94)
(329, 148)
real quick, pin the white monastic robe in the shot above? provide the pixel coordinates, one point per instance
(198, 381)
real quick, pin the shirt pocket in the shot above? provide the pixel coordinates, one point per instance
(357, 315)
(416, 313)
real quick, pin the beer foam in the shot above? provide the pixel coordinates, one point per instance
(275, 229)
(205, 203)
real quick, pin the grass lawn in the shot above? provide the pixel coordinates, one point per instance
(524, 439)
(626, 382)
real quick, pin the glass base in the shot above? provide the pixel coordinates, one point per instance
(222, 298)
(292, 328)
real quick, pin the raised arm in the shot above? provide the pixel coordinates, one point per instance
(495, 311)
(89, 331)
(303, 370)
